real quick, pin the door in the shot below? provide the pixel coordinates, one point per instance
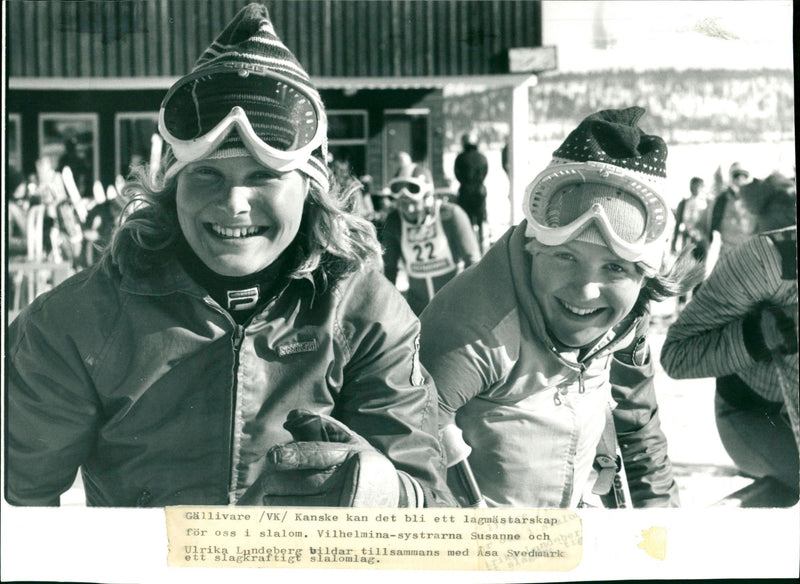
(405, 131)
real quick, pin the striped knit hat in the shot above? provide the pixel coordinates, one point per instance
(250, 43)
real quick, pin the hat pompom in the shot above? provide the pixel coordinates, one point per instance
(613, 137)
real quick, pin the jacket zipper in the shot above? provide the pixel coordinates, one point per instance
(236, 345)
(238, 337)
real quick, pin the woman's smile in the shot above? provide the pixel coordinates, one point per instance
(579, 312)
(235, 232)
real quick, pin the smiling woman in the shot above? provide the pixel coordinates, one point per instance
(238, 343)
(533, 347)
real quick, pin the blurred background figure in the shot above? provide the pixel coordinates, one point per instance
(730, 220)
(741, 327)
(17, 229)
(18, 204)
(689, 219)
(77, 163)
(432, 238)
(352, 188)
(101, 221)
(470, 169)
(403, 164)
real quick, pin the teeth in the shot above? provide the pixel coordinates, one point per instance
(234, 232)
(578, 310)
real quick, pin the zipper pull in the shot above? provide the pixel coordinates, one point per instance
(556, 398)
(581, 386)
(238, 336)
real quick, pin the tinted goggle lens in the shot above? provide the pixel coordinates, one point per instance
(412, 187)
(281, 116)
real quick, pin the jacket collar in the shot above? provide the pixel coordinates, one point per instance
(520, 266)
(168, 279)
(171, 278)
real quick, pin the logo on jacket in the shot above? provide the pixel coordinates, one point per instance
(242, 299)
(297, 347)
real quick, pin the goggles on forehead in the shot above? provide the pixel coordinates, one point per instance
(279, 122)
(415, 188)
(647, 248)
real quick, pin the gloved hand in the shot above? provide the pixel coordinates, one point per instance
(329, 465)
(779, 330)
(768, 330)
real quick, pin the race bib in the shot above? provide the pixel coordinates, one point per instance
(426, 250)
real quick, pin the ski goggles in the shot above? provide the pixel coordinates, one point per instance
(550, 229)
(280, 122)
(414, 188)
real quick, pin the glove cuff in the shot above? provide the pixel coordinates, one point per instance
(753, 338)
(370, 482)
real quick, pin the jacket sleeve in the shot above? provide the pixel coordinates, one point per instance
(390, 241)
(636, 419)
(460, 235)
(52, 412)
(387, 396)
(482, 169)
(711, 337)
(459, 168)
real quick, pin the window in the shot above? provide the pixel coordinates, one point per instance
(347, 138)
(14, 141)
(133, 133)
(71, 140)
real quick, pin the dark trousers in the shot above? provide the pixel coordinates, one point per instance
(755, 434)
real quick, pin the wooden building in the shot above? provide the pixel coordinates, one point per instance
(95, 72)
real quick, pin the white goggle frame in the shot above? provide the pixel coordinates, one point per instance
(648, 248)
(424, 188)
(186, 151)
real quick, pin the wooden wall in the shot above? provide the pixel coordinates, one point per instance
(332, 38)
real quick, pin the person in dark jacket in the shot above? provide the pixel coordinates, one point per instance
(540, 350)
(730, 219)
(237, 343)
(471, 168)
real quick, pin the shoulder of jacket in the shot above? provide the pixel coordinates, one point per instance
(482, 295)
(365, 292)
(79, 308)
(91, 286)
(367, 299)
